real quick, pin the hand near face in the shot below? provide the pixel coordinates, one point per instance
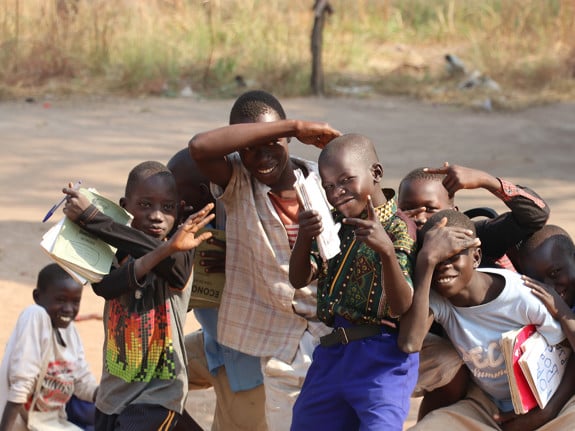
(548, 296)
(370, 231)
(315, 133)
(441, 242)
(185, 237)
(460, 177)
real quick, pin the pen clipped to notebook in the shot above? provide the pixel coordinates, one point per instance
(59, 204)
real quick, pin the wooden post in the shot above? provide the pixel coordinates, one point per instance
(320, 8)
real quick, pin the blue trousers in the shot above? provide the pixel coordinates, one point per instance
(364, 385)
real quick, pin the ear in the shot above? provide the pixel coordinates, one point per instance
(376, 172)
(123, 202)
(35, 295)
(476, 254)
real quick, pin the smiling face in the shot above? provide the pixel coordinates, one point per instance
(553, 263)
(268, 163)
(61, 299)
(153, 201)
(452, 277)
(418, 193)
(348, 181)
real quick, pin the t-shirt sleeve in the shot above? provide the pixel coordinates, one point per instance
(25, 361)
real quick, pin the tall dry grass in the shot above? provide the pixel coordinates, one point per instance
(160, 46)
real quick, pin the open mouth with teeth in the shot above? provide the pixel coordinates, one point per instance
(65, 319)
(266, 171)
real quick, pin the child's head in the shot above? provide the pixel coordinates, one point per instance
(193, 186)
(548, 256)
(253, 106)
(151, 196)
(267, 162)
(422, 189)
(350, 172)
(452, 276)
(59, 294)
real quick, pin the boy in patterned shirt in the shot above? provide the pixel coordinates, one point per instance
(359, 378)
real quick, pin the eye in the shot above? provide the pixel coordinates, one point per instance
(347, 180)
(554, 273)
(171, 207)
(327, 186)
(144, 204)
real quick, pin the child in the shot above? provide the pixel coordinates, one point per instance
(547, 258)
(425, 191)
(144, 380)
(359, 377)
(45, 336)
(236, 377)
(252, 173)
(475, 306)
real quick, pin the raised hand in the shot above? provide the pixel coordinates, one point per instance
(460, 177)
(310, 225)
(185, 237)
(370, 231)
(442, 242)
(76, 202)
(315, 133)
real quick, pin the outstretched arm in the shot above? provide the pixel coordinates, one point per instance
(209, 149)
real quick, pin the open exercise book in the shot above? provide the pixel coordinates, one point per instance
(81, 254)
(311, 195)
(534, 368)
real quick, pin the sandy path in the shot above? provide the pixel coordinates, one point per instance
(42, 148)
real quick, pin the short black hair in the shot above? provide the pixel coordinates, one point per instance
(548, 232)
(360, 146)
(454, 218)
(420, 174)
(143, 171)
(253, 104)
(49, 275)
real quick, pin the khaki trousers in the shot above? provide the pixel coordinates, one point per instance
(234, 411)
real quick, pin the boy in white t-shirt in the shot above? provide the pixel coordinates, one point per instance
(475, 306)
(51, 341)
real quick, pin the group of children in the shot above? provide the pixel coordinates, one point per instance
(298, 341)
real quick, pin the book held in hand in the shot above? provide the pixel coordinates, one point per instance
(543, 366)
(312, 197)
(521, 395)
(534, 368)
(84, 256)
(207, 287)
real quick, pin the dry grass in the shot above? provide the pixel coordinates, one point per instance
(393, 46)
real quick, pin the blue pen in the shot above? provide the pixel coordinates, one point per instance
(56, 206)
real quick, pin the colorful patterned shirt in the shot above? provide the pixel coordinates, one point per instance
(351, 284)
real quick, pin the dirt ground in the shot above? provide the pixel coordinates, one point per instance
(44, 145)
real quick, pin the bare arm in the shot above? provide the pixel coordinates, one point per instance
(439, 244)
(11, 411)
(209, 149)
(370, 231)
(301, 270)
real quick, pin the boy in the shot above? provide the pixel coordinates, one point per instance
(236, 377)
(144, 380)
(475, 306)
(425, 191)
(45, 328)
(359, 377)
(547, 258)
(252, 173)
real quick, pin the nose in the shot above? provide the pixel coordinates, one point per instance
(420, 219)
(156, 214)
